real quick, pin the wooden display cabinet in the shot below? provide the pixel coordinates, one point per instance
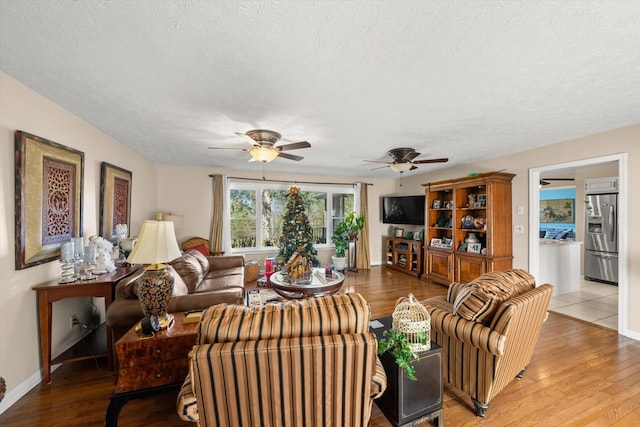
(404, 255)
(468, 227)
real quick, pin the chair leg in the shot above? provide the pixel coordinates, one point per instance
(480, 408)
(521, 373)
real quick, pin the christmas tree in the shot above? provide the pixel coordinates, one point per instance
(297, 235)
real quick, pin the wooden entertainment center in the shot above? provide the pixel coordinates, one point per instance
(468, 227)
(404, 255)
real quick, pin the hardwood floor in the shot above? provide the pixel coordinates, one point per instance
(580, 375)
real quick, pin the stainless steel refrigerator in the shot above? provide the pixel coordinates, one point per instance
(601, 232)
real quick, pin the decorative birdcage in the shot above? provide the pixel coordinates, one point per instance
(412, 319)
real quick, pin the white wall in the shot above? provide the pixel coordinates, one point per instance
(23, 109)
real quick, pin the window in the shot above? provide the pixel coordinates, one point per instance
(256, 212)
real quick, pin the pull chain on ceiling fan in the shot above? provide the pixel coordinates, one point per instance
(264, 147)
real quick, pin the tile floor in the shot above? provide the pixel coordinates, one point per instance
(595, 302)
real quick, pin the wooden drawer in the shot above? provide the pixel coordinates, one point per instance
(145, 351)
(152, 375)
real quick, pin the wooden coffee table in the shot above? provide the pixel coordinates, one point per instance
(147, 365)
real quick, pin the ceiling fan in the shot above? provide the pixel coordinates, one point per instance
(545, 181)
(264, 146)
(403, 160)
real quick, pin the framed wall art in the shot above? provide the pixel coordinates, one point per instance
(48, 198)
(560, 210)
(115, 199)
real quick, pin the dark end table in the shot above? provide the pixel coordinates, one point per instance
(406, 402)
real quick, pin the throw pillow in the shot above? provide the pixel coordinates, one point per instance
(453, 290)
(475, 303)
(201, 248)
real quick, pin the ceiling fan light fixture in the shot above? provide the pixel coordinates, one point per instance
(401, 167)
(263, 154)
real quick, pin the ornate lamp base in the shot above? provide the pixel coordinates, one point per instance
(154, 289)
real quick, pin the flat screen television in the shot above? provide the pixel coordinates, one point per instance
(403, 210)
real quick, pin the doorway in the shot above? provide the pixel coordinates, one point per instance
(534, 224)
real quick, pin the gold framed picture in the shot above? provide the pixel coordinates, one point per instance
(115, 199)
(48, 192)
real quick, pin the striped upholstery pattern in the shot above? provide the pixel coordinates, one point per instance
(296, 363)
(479, 299)
(482, 359)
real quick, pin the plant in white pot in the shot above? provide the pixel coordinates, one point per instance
(349, 226)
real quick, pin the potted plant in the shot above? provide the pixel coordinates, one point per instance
(398, 344)
(346, 229)
(353, 224)
(340, 239)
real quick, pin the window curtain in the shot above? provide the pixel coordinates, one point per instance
(218, 222)
(363, 259)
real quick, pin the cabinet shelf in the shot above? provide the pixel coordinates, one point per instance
(486, 198)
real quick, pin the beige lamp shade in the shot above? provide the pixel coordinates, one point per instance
(156, 244)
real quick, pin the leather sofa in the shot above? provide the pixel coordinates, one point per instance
(199, 282)
(488, 329)
(308, 362)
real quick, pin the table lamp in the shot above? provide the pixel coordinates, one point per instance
(156, 245)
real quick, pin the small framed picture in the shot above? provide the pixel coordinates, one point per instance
(436, 242)
(446, 243)
(478, 205)
(474, 248)
(399, 232)
(482, 200)
(436, 204)
(448, 204)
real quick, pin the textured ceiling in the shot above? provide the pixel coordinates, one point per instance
(463, 79)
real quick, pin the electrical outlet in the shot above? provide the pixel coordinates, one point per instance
(518, 229)
(73, 321)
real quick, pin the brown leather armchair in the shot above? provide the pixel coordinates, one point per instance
(310, 362)
(488, 329)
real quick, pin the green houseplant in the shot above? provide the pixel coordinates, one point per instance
(344, 230)
(398, 344)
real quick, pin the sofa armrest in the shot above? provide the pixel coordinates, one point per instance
(467, 331)
(224, 262)
(186, 405)
(379, 380)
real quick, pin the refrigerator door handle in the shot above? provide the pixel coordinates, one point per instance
(604, 255)
(612, 226)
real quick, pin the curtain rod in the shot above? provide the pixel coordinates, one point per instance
(294, 182)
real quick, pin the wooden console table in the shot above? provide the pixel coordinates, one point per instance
(50, 292)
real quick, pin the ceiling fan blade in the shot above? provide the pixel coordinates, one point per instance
(294, 146)
(442, 160)
(559, 179)
(543, 182)
(413, 167)
(227, 148)
(290, 156)
(246, 138)
(377, 161)
(380, 167)
(411, 156)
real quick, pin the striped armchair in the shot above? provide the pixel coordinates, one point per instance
(310, 362)
(488, 329)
